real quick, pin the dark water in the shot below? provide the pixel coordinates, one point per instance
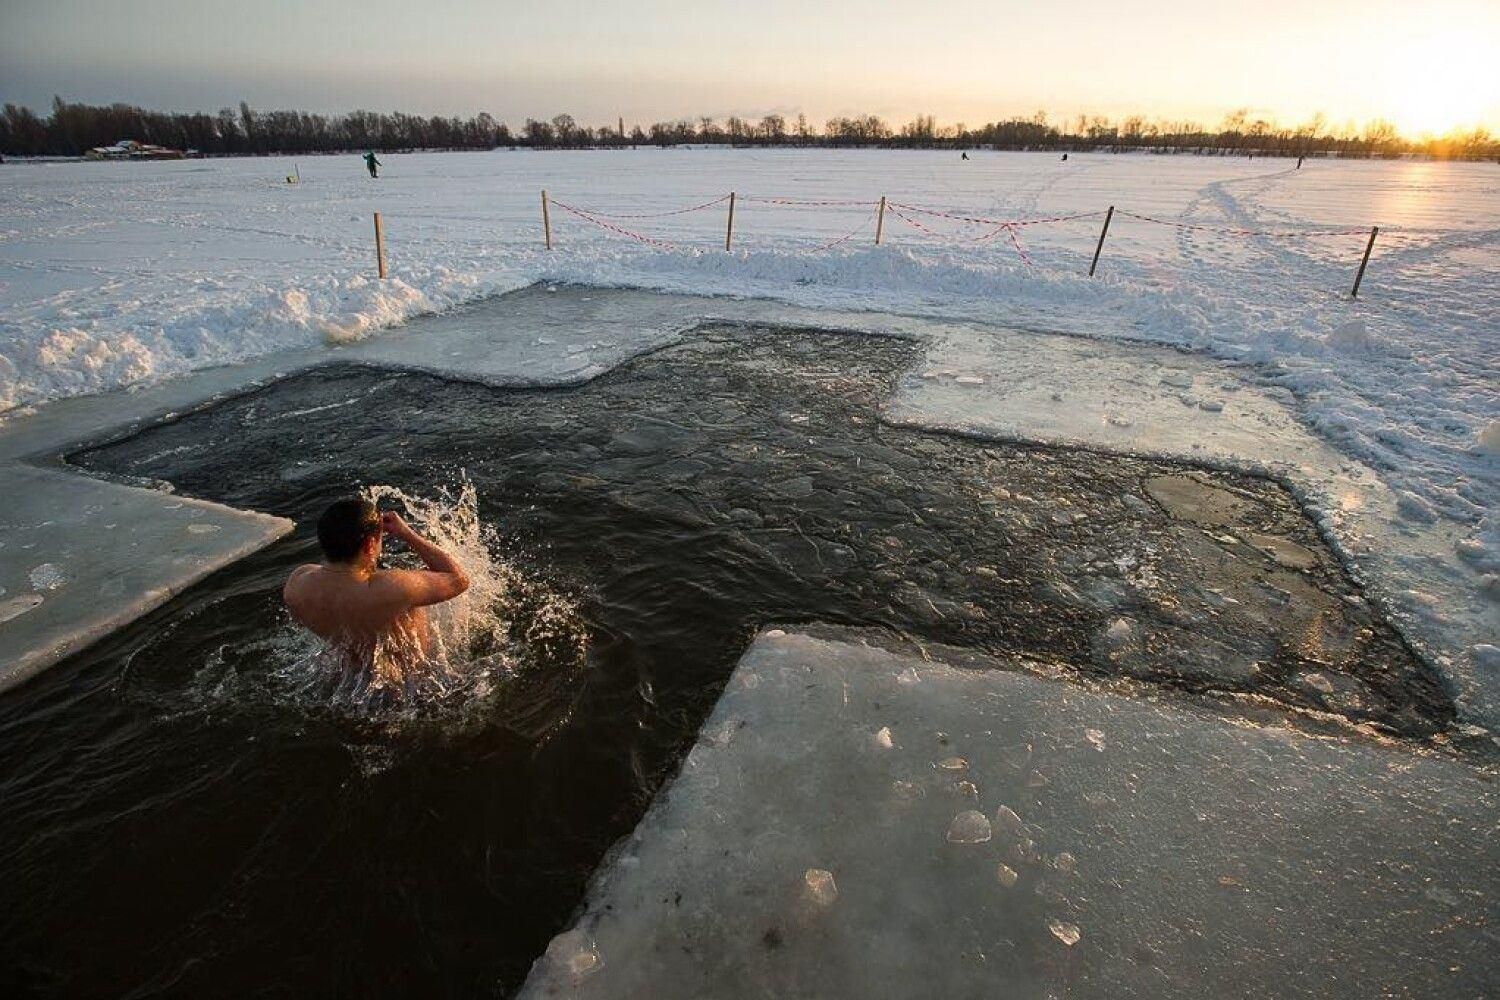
(174, 824)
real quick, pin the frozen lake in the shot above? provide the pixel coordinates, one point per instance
(116, 273)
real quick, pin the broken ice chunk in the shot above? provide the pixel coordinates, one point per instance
(969, 380)
(883, 738)
(1006, 874)
(1007, 820)
(1096, 737)
(573, 955)
(1067, 933)
(1065, 863)
(967, 789)
(17, 606)
(1317, 682)
(952, 764)
(969, 827)
(819, 888)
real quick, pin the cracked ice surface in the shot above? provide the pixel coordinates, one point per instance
(1167, 853)
(1432, 575)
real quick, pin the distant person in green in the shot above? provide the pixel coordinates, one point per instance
(372, 163)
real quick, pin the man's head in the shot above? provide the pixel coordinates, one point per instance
(347, 528)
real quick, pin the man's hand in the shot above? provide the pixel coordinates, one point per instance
(392, 524)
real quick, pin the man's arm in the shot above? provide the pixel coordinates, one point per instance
(443, 580)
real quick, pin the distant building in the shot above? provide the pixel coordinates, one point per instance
(129, 149)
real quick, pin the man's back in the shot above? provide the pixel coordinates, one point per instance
(344, 608)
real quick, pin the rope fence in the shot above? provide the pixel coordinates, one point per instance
(923, 221)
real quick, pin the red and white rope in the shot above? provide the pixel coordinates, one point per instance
(663, 244)
(655, 215)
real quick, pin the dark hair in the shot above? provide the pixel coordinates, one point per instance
(344, 527)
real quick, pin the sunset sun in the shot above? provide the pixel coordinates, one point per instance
(1441, 84)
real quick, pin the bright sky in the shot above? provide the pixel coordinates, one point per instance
(1425, 66)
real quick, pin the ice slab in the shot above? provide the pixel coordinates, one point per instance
(1160, 402)
(80, 557)
(1136, 849)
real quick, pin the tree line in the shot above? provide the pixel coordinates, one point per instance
(73, 129)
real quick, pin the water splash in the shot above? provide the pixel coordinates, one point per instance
(508, 622)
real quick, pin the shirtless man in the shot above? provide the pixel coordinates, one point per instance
(351, 602)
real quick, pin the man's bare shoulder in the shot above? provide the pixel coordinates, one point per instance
(301, 575)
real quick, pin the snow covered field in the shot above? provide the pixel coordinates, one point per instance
(116, 273)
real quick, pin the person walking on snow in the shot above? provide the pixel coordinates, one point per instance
(372, 163)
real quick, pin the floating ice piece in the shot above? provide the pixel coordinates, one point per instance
(1177, 380)
(572, 954)
(775, 633)
(967, 789)
(47, 577)
(819, 888)
(1116, 420)
(203, 529)
(969, 827)
(1065, 863)
(1067, 933)
(18, 606)
(1317, 682)
(969, 380)
(1211, 405)
(883, 738)
(952, 764)
(1007, 820)
(1096, 737)
(1006, 875)
(929, 374)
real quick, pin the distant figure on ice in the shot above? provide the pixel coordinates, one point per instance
(372, 163)
(1065, 158)
(964, 155)
(353, 604)
(1299, 163)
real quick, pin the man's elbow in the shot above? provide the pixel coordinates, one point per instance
(460, 583)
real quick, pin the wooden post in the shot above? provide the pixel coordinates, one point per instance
(880, 221)
(379, 246)
(729, 229)
(546, 220)
(1102, 233)
(1374, 230)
